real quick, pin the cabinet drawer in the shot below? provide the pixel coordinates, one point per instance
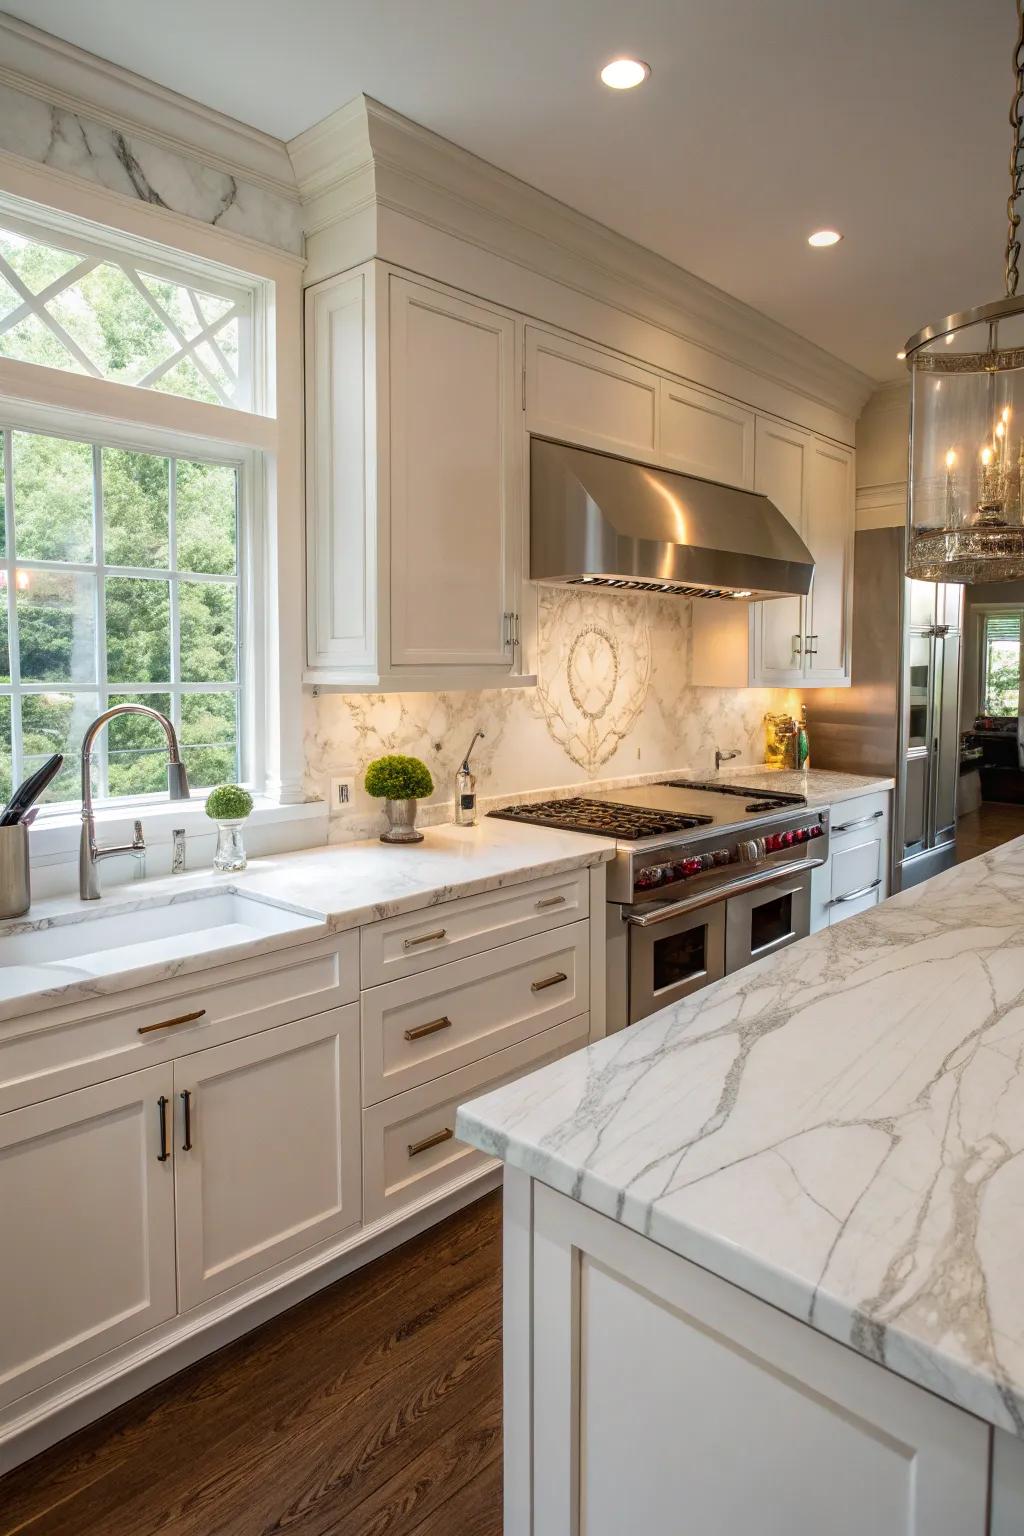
(858, 876)
(400, 946)
(46, 1054)
(409, 1145)
(853, 820)
(423, 1026)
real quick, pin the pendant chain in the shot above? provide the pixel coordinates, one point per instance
(1016, 159)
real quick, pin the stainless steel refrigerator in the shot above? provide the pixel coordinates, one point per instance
(901, 716)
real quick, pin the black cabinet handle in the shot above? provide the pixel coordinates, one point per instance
(186, 1099)
(161, 1109)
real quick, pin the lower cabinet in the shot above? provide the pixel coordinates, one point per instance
(266, 1154)
(217, 1166)
(86, 1226)
(856, 876)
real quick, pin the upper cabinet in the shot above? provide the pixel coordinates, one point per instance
(415, 486)
(589, 397)
(791, 642)
(455, 479)
(703, 434)
(421, 402)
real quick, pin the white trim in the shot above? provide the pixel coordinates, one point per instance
(59, 72)
(365, 154)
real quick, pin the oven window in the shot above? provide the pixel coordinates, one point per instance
(771, 921)
(680, 957)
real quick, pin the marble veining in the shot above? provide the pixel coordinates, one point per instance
(341, 887)
(134, 166)
(613, 702)
(838, 1129)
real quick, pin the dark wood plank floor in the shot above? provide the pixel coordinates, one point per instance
(991, 824)
(373, 1409)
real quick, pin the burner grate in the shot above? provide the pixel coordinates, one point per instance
(603, 818)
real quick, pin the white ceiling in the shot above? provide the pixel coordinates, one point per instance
(763, 120)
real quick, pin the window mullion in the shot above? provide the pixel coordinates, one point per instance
(172, 560)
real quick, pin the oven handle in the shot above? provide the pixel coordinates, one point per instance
(719, 893)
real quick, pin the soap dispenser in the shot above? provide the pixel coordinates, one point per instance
(465, 788)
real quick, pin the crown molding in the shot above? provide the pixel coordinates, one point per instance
(66, 76)
(892, 396)
(366, 149)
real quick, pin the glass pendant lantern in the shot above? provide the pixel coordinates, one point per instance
(965, 511)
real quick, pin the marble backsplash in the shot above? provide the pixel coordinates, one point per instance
(613, 704)
(137, 167)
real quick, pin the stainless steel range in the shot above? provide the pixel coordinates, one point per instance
(706, 879)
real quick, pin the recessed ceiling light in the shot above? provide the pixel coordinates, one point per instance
(824, 237)
(623, 74)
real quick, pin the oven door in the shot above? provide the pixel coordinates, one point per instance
(672, 956)
(765, 919)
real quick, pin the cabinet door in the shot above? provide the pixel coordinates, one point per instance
(704, 435)
(272, 1162)
(86, 1227)
(828, 533)
(341, 540)
(781, 472)
(588, 397)
(456, 482)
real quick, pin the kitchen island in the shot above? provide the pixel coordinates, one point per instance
(764, 1250)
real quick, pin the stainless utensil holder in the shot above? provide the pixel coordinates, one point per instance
(15, 885)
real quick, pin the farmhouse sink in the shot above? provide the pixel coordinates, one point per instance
(112, 942)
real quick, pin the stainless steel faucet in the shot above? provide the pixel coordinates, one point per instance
(724, 757)
(90, 853)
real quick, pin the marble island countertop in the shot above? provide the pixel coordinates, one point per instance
(839, 1130)
(335, 887)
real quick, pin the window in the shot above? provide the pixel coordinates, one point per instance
(68, 302)
(119, 581)
(1000, 662)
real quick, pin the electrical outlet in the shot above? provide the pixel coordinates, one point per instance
(342, 793)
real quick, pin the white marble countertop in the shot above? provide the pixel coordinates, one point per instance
(838, 1129)
(339, 887)
(819, 786)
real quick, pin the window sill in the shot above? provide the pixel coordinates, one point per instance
(54, 835)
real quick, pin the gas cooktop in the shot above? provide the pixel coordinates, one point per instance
(604, 818)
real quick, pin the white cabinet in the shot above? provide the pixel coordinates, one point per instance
(266, 1155)
(856, 875)
(455, 521)
(415, 486)
(791, 642)
(707, 435)
(590, 397)
(828, 534)
(86, 1226)
(659, 1388)
(782, 472)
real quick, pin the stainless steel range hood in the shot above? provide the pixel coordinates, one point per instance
(600, 521)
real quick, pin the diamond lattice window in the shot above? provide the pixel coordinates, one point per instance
(68, 303)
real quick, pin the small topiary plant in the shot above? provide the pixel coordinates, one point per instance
(228, 802)
(398, 778)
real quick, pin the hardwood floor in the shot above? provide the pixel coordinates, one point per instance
(993, 823)
(372, 1409)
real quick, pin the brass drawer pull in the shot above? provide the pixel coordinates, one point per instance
(552, 901)
(416, 1147)
(183, 1018)
(427, 1029)
(549, 981)
(427, 938)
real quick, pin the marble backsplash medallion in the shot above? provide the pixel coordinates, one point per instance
(132, 165)
(613, 704)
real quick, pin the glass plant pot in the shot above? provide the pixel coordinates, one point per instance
(230, 856)
(401, 815)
